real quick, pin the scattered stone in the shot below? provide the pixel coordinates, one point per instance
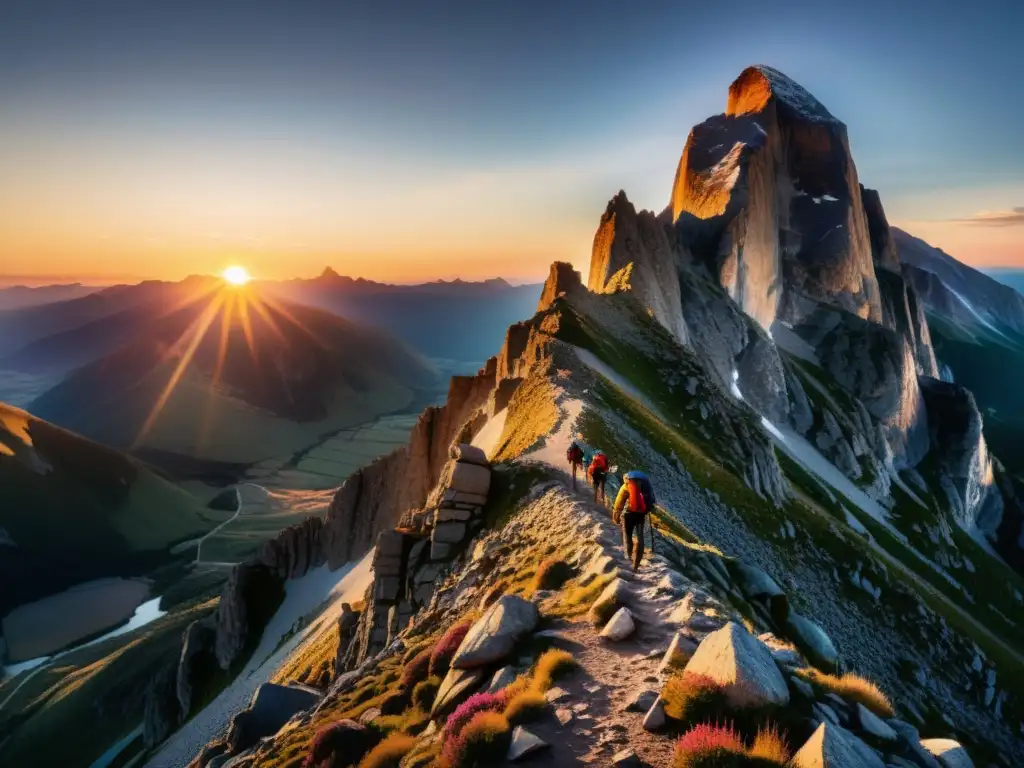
(494, 636)
(524, 743)
(831, 746)
(592, 688)
(871, 724)
(626, 759)
(369, 715)
(782, 652)
(679, 652)
(556, 694)
(804, 688)
(654, 720)
(620, 626)
(741, 662)
(502, 678)
(825, 714)
(563, 715)
(641, 701)
(813, 641)
(910, 737)
(615, 596)
(455, 687)
(950, 753)
(581, 707)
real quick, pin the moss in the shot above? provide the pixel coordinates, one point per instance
(389, 753)
(482, 743)
(526, 707)
(853, 688)
(692, 699)
(425, 691)
(551, 666)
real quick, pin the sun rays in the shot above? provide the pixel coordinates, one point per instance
(235, 305)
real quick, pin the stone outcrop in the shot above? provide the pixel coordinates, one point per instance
(493, 637)
(249, 599)
(632, 252)
(959, 446)
(161, 713)
(272, 706)
(196, 660)
(767, 197)
(562, 280)
(295, 550)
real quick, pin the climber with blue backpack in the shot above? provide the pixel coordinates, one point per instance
(632, 505)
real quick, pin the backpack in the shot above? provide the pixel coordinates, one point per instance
(637, 500)
(599, 463)
(575, 454)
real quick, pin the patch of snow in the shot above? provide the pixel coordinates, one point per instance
(734, 387)
(855, 524)
(970, 308)
(795, 96)
(830, 199)
(302, 596)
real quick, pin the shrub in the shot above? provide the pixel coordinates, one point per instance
(424, 692)
(691, 699)
(483, 742)
(709, 745)
(552, 574)
(417, 669)
(853, 688)
(526, 707)
(770, 746)
(478, 702)
(441, 657)
(551, 665)
(415, 651)
(339, 744)
(389, 753)
(424, 755)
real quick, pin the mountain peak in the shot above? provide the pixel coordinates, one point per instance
(756, 86)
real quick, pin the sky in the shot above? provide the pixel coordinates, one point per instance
(408, 140)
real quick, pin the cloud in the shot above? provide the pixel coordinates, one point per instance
(1011, 218)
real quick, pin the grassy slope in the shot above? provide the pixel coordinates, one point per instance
(833, 543)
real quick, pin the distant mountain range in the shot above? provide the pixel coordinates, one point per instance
(21, 296)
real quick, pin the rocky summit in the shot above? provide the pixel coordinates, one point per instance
(828, 578)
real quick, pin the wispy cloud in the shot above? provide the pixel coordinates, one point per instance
(1011, 218)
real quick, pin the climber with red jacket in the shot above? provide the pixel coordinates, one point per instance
(598, 474)
(575, 457)
(633, 503)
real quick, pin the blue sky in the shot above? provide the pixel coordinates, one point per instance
(401, 140)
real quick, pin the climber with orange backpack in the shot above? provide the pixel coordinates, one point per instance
(633, 503)
(598, 474)
(575, 456)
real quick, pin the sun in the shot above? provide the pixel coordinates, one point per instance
(236, 275)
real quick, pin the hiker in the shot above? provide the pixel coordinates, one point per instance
(634, 501)
(575, 457)
(598, 474)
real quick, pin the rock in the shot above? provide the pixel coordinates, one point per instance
(249, 599)
(620, 626)
(782, 651)
(812, 641)
(831, 746)
(753, 582)
(911, 741)
(494, 636)
(468, 453)
(738, 660)
(950, 753)
(562, 280)
(641, 701)
(196, 661)
(871, 724)
(804, 688)
(626, 759)
(614, 596)
(348, 622)
(449, 533)
(502, 678)
(161, 709)
(369, 715)
(467, 478)
(272, 706)
(524, 744)
(456, 686)
(556, 694)
(564, 716)
(295, 550)
(654, 720)
(823, 713)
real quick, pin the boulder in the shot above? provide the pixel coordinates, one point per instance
(469, 454)
(949, 753)
(524, 744)
(494, 636)
(642, 701)
(626, 759)
(502, 678)
(272, 706)
(741, 662)
(654, 720)
(832, 746)
(812, 641)
(873, 725)
(464, 477)
(679, 652)
(620, 626)
(250, 597)
(911, 740)
(616, 595)
(456, 686)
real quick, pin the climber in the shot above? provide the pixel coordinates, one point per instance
(598, 474)
(575, 457)
(632, 504)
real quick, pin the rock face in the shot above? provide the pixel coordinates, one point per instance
(738, 660)
(632, 252)
(959, 446)
(767, 196)
(295, 550)
(196, 660)
(562, 280)
(495, 635)
(247, 603)
(948, 752)
(272, 706)
(161, 714)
